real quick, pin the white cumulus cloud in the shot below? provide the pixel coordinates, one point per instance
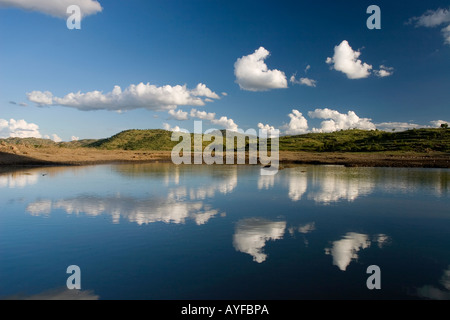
(396, 126)
(268, 130)
(53, 137)
(56, 138)
(142, 95)
(297, 125)
(434, 18)
(202, 91)
(203, 115)
(437, 123)
(340, 121)
(178, 115)
(74, 138)
(446, 34)
(252, 73)
(167, 127)
(402, 126)
(41, 98)
(22, 129)
(223, 121)
(384, 71)
(18, 129)
(303, 81)
(266, 127)
(345, 60)
(55, 8)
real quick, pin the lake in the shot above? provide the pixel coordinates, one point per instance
(160, 231)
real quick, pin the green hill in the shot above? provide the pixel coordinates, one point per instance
(40, 143)
(154, 139)
(138, 140)
(30, 142)
(77, 143)
(416, 140)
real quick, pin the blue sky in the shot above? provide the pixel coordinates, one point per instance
(399, 76)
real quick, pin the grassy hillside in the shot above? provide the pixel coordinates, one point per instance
(30, 142)
(137, 140)
(77, 144)
(156, 139)
(41, 143)
(417, 140)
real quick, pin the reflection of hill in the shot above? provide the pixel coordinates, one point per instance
(327, 184)
(22, 177)
(18, 180)
(180, 204)
(141, 211)
(146, 171)
(407, 180)
(170, 170)
(333, 184)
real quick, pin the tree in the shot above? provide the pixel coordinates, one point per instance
(444, 125)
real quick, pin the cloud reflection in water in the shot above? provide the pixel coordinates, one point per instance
(345, 250)
(18, 180)
(252, 234)
(437, 293)
(180, 204)
(141, 211)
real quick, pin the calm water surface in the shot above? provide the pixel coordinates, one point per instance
(159, 231)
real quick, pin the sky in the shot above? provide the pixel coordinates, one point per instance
(295, 66)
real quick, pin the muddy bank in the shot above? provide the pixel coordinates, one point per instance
(26, 156)
(374, 159)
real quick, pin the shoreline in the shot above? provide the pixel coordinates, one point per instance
(51, 157)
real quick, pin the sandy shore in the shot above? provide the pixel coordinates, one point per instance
(53, 156)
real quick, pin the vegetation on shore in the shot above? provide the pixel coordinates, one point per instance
(417, 140)
(413, 148)
(354, 140)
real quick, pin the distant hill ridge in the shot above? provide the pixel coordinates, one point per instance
(354, 140)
